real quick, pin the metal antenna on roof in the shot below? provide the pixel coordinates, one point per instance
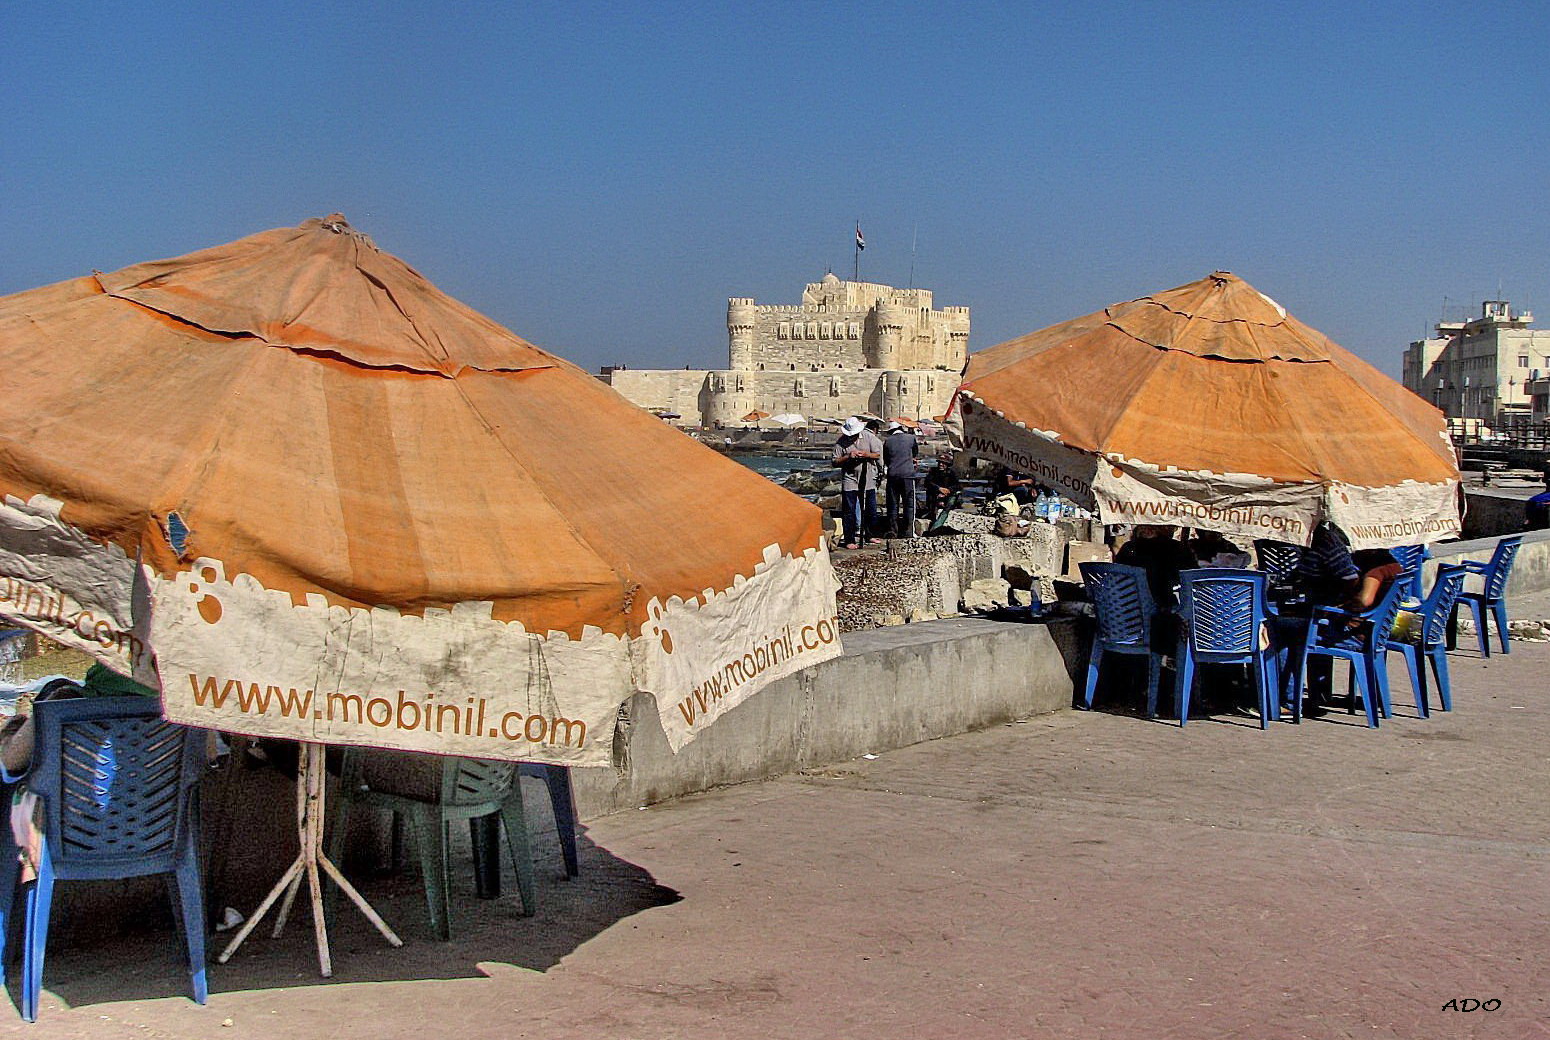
(914, 237)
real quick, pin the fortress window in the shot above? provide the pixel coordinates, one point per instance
(793, 368)
(784, 331)
(824, 330)
(812, 330)
(855, 331)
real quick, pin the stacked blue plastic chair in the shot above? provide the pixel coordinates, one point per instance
(1224, 612)
(563, 801)
(1361, 639)
(1413, 559)
(1491, 600)
(118, 788)
(1429, 637)
(1125, 609)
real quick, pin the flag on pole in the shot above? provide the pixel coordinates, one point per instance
(860, 241)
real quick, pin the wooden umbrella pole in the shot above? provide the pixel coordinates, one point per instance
(310, 817)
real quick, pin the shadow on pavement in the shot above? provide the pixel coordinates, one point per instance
(140, 955)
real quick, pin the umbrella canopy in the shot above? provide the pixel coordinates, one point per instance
(1209, 406)
(755, 416)
(788, 419)
(310, 495)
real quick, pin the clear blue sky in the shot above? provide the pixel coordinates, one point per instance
(601, 178)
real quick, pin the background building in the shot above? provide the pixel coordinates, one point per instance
(849, 347)
(1481, 369)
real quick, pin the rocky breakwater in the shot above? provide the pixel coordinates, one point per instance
(921, 579)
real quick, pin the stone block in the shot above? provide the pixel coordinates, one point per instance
(1040, 551)
(986, 594)
(1078, 553)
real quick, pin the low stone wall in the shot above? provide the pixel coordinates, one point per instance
(1530, 571)
(1490, 513)
(893, 687)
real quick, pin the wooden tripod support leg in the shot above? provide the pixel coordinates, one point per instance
(310, 779)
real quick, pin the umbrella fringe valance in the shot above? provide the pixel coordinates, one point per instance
(1261, 436)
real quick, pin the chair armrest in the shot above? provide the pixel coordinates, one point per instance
(1476, 567)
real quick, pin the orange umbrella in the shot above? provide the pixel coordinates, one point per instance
(755, 416)
(310, 495)
(1209, 406)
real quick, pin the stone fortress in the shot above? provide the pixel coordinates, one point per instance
(848, 348)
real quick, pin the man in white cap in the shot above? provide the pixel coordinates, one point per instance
(855, 451)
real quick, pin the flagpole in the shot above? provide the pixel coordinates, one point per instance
(856, 274)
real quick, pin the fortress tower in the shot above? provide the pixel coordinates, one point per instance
(851, 326)
(847, 348)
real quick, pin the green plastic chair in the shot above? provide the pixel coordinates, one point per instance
(466, 789)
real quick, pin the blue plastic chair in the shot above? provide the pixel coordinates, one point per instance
(118, 787)
(1491, 600)
(1413, 559)
(1125, 609)
(1278, 560)
(1361, 639)
(1224, 611)
(1429, 638)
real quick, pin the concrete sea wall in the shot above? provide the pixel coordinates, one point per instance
(893, 687)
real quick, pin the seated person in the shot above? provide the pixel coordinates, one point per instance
(1211, 549)
(1154, 549)
(1378, 570)
(943, 488)
(1536, 511)
(1333, 575)
(16, 735)
(1018, 486)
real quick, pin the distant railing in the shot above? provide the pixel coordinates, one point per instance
(1508, 432)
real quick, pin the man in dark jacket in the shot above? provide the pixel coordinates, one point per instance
(900, 451)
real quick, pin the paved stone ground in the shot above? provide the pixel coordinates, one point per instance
(1077, 875)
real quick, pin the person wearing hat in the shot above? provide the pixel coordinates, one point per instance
(943, 488)
(900, 452)
(855, 452)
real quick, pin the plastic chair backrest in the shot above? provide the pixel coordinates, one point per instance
(1439, 602)
(1385, 612)
(1412, 558)
(474, 781)
(1223, 608)
(1501, 566)
(1279, 560)
(1123, 601)
(114, 777)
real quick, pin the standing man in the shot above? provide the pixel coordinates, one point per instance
(854, 458)
(873, 439)
(900, 452)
